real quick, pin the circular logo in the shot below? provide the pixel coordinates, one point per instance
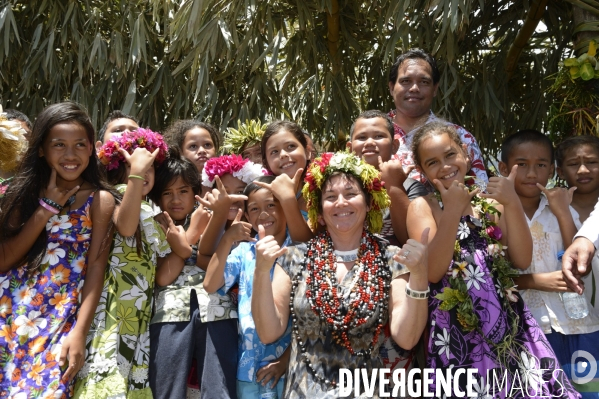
(590, 366)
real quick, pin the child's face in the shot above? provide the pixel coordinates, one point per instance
(534, 166)
(177, 199)
(253, 153)
(116, 128)
(285, 154)
(581, 169)
(442, 159)
(263, 209)
(233, 186)
(371, 140)
(67, 149)
(198, 147)
(148, 179)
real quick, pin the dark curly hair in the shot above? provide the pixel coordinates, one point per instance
(175, 133)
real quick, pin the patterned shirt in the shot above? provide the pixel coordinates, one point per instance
(404, 153)
(173, 300)
(240, 268)
(547, 307)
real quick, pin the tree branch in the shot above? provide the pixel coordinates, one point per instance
(535, 12)
(333, 35)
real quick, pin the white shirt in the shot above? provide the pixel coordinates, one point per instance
(590, 228)
(547, 307)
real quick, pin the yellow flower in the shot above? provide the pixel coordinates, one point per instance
(126, 318)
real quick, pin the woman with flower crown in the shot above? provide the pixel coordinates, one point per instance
(477, 319)
(118, 343)
(341, 287)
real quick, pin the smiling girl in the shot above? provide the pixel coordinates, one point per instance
(118, 344)
(196, 141)
(284, 154)
(54, 244)
(477, 318)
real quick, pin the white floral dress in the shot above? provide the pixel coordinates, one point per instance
(118, 343)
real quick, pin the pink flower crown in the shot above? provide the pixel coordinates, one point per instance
(109, 153)
(243, 169)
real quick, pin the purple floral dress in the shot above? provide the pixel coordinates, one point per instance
(450, 347)
(37, 312)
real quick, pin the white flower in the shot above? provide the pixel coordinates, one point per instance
(142, 350)
(473, 276)
(496, 249)
(463, 231)
(53, 254)
(530, 372)
(124, 366)
(499, 290)
(58, 223)
(443, 342)
(137, 292)
(30, 325)
(140, 375)
(24, 295)
(509, 292)
(249, 172)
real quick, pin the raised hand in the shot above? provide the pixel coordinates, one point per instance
(457, 197)
(197, 223)
(414, 255)
(218, 201)
(283, 187)
(501, 189)
(175, 235)
(267, 250)
(55, 194)
(140, 161)
(239, 231)
(393, 173)
(559, 198)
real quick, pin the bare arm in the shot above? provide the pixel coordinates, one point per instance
(513, 220)
(270, 301)
(455, 199)
(101, 239)
(549, 282)
(408, 316)
(215, 273)
(559, 202)
(393, 176)
(126, 216)
(15, 248)
(284, 189)
(168, 269)
(170, 266)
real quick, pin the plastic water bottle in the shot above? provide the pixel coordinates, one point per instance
(265, 391)
(575, 304)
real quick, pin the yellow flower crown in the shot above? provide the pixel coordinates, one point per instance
(13, 143)
(328, 163)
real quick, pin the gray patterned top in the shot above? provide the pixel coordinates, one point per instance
(325, 356)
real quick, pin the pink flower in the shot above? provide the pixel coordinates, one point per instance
(494, 232)
(109, 153)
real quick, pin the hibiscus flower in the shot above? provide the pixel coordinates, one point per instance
(30, 325)
(53, 254)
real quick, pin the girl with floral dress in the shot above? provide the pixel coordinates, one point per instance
(54, 244)
(477, 318)
(118, 344)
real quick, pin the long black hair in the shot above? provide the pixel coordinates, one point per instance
(21, 198)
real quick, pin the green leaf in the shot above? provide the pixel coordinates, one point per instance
(130, 98)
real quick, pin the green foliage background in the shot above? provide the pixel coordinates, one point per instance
(319, 62)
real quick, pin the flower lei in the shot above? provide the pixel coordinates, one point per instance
(12, 143)
(328, 163)
(457, 292)
(368, 292)
(109, 153)
(243, 169)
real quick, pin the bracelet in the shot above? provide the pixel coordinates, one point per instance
(417, 294)
(53, 204)
(136, 177)
(49, 208)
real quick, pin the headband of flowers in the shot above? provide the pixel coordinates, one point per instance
(249, 133)
(109, 153)
(13, 143)
(327, 164)
(243, 169)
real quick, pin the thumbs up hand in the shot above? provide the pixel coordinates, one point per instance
(267, 250)
(502, 189)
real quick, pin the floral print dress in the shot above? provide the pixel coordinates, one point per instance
(118, 343)
(533, 370)
(38, 311)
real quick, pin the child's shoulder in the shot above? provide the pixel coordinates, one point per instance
(426, 203)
